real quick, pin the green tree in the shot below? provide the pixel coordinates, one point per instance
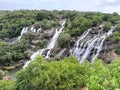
(6, 85)
(96, 20)
(67, 74)
(64, 40)
(118, 28)
(107, 26)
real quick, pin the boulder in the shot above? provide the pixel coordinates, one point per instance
(83, 88)
(6, 78)
(111, 56)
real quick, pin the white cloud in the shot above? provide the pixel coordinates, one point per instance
(111, 1)
(82, 5)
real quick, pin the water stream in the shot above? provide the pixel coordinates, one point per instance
(50, 45)
(26, 30)
(90, 47)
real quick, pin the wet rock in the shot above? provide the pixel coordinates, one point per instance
(35, 41)
(72, 42)
(111, 56)
(6, 78)
(29, 53)
(50, 32)
(94, 32)
(55, 51)
(33, 46)
(83, 88)
(22, 62)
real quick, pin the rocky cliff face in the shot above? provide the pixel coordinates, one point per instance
(108, 51)
(101, 45)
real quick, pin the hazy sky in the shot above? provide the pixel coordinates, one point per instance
(81, 5)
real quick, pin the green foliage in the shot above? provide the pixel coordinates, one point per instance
(118, 28)
(117, 49)
(12, 23)
(3, 12)
(2, 73)
(104, 77)
(43, 14)
(42, 44)
(77, 26)
(114, 72)
(68, 74)
(41, 75)
(99, 78)
(107, 26)
(96, 20)
(64, 40)
(12, 53)
(116, 36)
(37, 25)
(6, 85)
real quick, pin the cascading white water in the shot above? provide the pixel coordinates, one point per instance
(91, 47)
(50, 45)
(33, 56)
(24, 30)
(54, 40)
(99, 45)
(76, 50)
(61, 52)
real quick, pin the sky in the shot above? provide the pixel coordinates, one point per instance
(107, 6)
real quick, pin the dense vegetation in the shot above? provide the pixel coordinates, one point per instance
(11, 53)
(12, 22)
(66, 74)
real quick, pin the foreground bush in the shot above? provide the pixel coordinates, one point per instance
(6, 85)
(63, 75)
(68, 74)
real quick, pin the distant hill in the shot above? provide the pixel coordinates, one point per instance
(24, 32)
(4, 12)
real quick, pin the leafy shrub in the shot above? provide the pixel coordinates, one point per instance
(6, 85)
(10, 53)
(68, 74)
(42, 43)
(63, 75)
(96, 20)
(117, 49)
(2, 73)
(99, 77)
(116, 36)
(64, 40)
(118, 28)
(107, 26)
(114, 69)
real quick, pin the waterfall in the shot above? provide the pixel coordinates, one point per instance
(90, 47)
(24, 30)
(50, 45)
(54, 40)
(61, 53)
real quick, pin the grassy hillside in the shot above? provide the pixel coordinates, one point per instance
(66, 74)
